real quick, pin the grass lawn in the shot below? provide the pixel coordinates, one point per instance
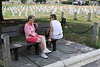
(79, 25)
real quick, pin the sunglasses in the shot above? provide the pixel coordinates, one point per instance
(50, 17)
(33, 18)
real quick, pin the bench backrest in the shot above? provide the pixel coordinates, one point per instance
(19, 30)
(13, 30)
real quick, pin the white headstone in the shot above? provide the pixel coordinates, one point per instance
(47, 10)
(66, 9)
(75, 16)
(87, 12)
(89, 16)
(82, 13)
(33, 13)
(71, 14)
(91, 10)
(25, 14)
(13, 14)
(74, 10)
(53, 12)
(50, 12)
(95, 14)
(41, 14)
(19, 13)
(3, 13)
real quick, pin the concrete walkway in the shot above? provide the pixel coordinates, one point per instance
(93, 64)
(65, 50)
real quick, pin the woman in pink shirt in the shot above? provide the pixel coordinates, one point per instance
(33, 37)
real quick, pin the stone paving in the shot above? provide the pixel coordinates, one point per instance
(65, 49)
(93, 64)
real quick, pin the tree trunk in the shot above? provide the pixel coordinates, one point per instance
(1, 17)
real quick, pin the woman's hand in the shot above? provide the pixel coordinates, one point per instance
(49, 39)
(36, 25)
(47, 32)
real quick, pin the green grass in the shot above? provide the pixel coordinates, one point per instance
(79, 25)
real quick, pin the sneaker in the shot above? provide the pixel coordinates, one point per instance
(43, 55)
(46, 50)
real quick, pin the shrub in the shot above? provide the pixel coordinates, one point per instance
(99, 2)
(67, 2)
(86, 2)
(23, 1)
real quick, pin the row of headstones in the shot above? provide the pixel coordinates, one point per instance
(21, 7)
(14, 10)
(83, 11)
(42, 9)
(76, 16)
(69, 8)
(89, 16)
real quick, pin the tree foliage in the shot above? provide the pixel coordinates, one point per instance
(40, 1)
(23, 1)
(5, 0)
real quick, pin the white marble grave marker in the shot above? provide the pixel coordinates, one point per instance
(87, 12)
(3, 13)
(25, 14)
(41, 14)
(82, 13)
(75, 16)
(89, 16)
(33, 13)
(95, 14)
(19, 14)
(74, 10)
(13, 14)
(71, 14)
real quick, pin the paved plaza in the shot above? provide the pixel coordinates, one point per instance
(65, 50)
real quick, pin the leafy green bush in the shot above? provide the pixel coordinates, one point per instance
(86, 2)
(67, 2)
(40, 1)
(99, 2)
(23, 1)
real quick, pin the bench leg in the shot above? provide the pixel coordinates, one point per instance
(48, 44)
(15, 54)
(36, 49)
(54, 45)
(11, 50)
(28, 47)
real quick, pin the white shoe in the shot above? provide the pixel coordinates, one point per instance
(43, 55)
(46, 50)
